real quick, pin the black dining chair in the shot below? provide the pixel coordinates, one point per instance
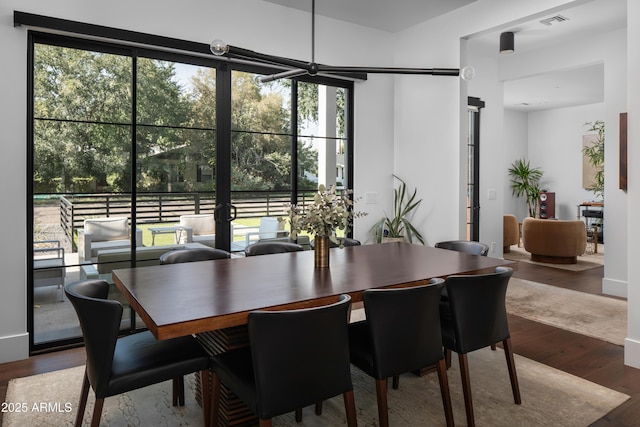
(466, 246)
(266, 248)
(193, 255)
(474, 317)
(401, 334)
(342, 241)
(296, 358)
(117, 365)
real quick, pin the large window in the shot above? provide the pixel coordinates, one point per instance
(125, 142)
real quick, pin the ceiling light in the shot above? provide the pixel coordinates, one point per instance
(506, 42)
(295, 68)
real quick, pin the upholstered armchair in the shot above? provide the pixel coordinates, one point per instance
(203, 229)
(104, 233)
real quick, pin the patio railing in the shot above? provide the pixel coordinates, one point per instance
(167, 207)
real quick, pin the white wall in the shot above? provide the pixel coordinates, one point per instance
(516, 143)
(252, 24)
(632, 343)
(555, 145)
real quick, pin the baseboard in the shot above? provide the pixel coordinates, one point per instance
(616, 288)
(14, 347)
(632, 353)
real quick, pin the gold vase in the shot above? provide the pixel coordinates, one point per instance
(321, 252)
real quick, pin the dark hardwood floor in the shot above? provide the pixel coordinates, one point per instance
(589, 358)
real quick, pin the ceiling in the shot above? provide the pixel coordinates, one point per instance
(384, 15)
(580, 86)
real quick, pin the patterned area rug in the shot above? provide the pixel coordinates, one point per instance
(549, 398)
(585, 262)
(591, 315)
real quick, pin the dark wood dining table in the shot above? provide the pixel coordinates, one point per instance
(183, 299)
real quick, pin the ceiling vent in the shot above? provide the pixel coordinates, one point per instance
(554, 19)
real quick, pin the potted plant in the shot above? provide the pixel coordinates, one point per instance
(328, 213)
(525, 181)
(595, 154)
(399, 226)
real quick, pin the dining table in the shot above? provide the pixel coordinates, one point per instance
(212, 299)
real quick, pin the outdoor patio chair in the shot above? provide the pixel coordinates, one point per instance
(270, 228)
(203, 228)
(104, 233)
(48, 264)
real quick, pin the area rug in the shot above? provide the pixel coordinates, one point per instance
(549, 398)
(585, 262)
(591, 315)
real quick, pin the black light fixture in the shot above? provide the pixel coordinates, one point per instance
(294, 68)
(506, 42)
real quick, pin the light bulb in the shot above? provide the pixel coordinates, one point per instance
(468, 73)
(218, 47)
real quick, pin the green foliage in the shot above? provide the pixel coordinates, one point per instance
(595, 155)
(329, 212)
(525, 181)
(83, 129)
(399, 225)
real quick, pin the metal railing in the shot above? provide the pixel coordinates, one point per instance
(154, 208)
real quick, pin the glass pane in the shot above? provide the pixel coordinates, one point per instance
(81, 171)
(176, 157)
(260, 152)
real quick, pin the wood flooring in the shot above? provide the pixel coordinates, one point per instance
(589, 358)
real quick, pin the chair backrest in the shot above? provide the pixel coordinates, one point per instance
(266, 248)
(470, 247)
(300, 356)
(404, 328)
(193, 255)
(477, 306)
(100, 323)
(199, 223)
(110, 228)
(269, 227)
(345, 241)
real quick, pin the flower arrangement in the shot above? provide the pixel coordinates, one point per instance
(328, 212)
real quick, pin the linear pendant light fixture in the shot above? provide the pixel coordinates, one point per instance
(295, 68)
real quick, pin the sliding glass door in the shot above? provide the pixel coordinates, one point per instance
(134, 152)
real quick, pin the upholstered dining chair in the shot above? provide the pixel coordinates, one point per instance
(193, 255)
(266, 248)
(344, 241)
(474, 317)
(470, 247)
(296, 358)
(117, 365)
(401, 334)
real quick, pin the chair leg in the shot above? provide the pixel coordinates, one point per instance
(319, 408)
(383, 407)
(299, 415)
(396, 382)
(466, 389)
(493, 347)
(84, 394)
(215, 400)
(97, 413)
(441, 367)
(178, 391)
(205, 383)
(350, 408)
(265, 423)
(511, 364)
(447, 357)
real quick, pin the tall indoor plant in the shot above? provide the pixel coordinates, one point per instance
(525, 181)
(595, 155)
(399, 225)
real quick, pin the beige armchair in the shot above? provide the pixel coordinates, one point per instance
(104, 233)
(203, 229)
